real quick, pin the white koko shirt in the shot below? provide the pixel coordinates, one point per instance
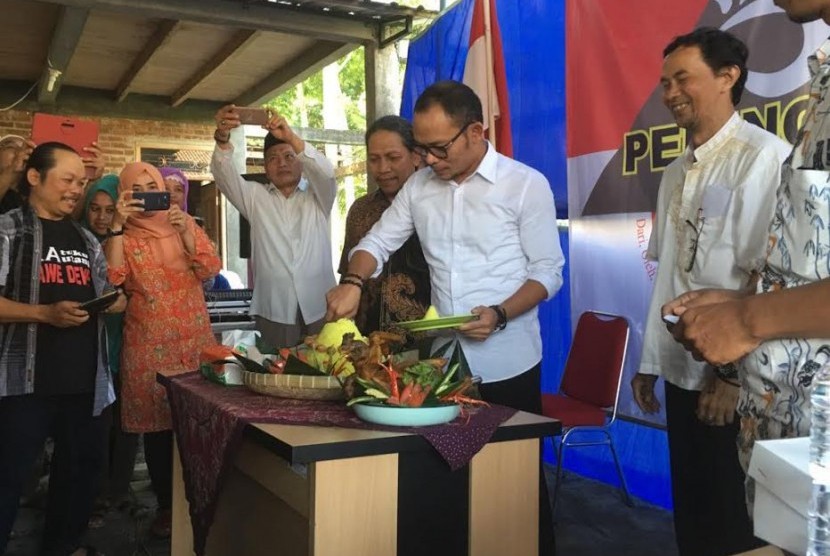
(291, 243)
(725, 190)
(482, 239)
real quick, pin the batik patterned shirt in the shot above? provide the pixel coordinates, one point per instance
(776, 378)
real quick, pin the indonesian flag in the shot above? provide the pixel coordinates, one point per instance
(484, 73)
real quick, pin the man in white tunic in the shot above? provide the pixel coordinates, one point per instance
(289, 218)
(778, 330)
(714, 203)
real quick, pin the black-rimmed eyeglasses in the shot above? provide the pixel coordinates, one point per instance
(439, 151)
(696, 229)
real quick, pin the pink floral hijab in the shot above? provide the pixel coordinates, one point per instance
(165, 243)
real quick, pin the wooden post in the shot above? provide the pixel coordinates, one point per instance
(383, 85)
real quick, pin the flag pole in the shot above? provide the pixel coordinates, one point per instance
(491, 77)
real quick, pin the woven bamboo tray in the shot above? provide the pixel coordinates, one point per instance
(301, 387)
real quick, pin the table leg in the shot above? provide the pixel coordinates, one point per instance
(354, 506)
(504, 499)
(181, 541)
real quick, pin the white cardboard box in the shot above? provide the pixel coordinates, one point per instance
(782, 491)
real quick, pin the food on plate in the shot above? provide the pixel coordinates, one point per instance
(380, 377)
(332, 333)
(431, 314)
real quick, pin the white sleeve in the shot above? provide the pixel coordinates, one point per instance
(391, 231)
(754, 210)
(238, 191)
(319, 172)
(539, 234)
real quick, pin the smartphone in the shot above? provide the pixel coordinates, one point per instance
(154, 200)
(100, 303)
(671, 319)
(69, 131)
(253, 116)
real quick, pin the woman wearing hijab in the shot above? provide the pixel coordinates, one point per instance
(160, 258)
(99, 205)
(176, 183)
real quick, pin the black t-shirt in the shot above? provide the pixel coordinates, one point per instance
(66, 358)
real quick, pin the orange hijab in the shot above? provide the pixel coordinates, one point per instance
(164, 241)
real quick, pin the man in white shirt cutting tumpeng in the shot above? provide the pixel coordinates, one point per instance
(487, 225)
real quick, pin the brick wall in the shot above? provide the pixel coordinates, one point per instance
(120, 138)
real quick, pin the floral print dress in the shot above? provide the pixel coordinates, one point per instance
(166, 325)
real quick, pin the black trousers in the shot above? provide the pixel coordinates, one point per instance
(121, 454)
(710, 514)
(524, 392)
(25, 423)
(158, 453)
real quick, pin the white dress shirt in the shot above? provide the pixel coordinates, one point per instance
(291, 243)
(725, 190)
(482, 239)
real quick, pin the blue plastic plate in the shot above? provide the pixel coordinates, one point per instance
(406, 416)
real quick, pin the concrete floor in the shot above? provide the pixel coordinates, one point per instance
(591, 520)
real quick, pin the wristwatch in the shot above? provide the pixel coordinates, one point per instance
(113, 233)
(501, 316)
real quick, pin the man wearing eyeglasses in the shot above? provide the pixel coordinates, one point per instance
(714, 204)
(289, 218)
(487, 225)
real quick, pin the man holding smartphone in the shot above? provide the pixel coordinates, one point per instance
(54, 379)
(289, 218)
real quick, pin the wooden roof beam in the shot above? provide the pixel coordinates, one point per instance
(241, 40)
(166, 28)
(297, 70)
(270, 17)
(67, 33)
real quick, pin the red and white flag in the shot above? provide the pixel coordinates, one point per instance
(484, 72)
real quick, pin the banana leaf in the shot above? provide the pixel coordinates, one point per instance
(294, 366)
(463, 370)
(263, 347)
(250, 365)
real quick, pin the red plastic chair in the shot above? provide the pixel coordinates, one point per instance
(590, 388)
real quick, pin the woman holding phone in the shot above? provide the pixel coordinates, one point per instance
(160, 258)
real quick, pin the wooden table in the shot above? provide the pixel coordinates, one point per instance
(347, 501)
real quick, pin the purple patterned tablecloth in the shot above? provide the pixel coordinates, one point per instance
(208, 421)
